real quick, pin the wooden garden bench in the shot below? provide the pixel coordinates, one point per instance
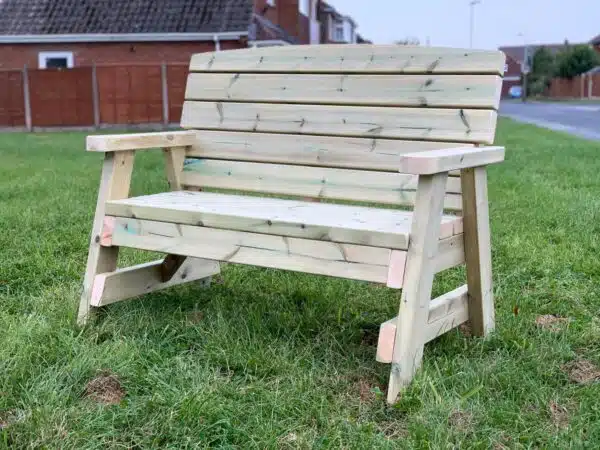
(389, 126)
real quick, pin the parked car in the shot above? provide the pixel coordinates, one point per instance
(515, 92)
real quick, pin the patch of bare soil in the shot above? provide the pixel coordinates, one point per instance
(12, 416)
(106, 389)
(582, 371)
(559, 415)
(551, 322)
(460, 420)
(465, 329)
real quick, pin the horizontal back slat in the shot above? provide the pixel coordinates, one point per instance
(320, 151)
(465, 125)
(332, 121)
(314, 182)
(351, 59)
(458, 91)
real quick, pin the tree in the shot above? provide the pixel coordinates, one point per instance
(543, 68)
(575, 60)
(543, 62)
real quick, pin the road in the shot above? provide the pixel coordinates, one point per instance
(580, 119)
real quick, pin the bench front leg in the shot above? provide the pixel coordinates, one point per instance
(478, 256)
(418, 280)
(114, 185)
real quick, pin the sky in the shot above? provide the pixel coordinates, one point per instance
(497, 22)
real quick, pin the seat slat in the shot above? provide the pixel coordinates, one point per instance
(458, 91)
(464, 125)
(375, 227)
(352, 59)
(307, 150)
(315, 182)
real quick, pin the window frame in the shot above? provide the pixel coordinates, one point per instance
(43, 58)
(338, 30)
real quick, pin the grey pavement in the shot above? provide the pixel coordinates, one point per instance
(580, 119)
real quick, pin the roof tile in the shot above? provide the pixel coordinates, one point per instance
(39, 17)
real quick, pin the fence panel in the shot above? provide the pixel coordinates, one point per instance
(176, 80)
(567, 88)
(12, 102)
(130, 94)
(61, 97)
(596, 85)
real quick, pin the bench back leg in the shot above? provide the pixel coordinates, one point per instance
(114, 185)
(418, 280)
(476, 228)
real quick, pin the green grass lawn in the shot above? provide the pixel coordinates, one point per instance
(272, 359)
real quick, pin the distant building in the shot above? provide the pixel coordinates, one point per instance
(71, 33)
(515, 59)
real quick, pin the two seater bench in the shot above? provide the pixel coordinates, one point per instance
(379, 153)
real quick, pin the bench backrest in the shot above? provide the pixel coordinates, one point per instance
(330, 121)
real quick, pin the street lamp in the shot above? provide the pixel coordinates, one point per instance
(472, 4)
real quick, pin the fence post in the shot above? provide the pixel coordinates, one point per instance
(95, 96)
(165, 93)
(590, 85)
(27, 99)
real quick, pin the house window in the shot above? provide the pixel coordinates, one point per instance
(271, 2)
(54, 60)
(338, 30)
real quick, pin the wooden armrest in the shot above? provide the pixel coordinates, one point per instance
(139, 141)
(445, 160)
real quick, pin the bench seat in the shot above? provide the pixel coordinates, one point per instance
(377, 227)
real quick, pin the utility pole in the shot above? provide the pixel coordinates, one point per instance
(525, 69)
(472, 4)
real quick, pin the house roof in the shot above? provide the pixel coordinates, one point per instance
(327, 8)
(65, 17)
(263, 29)
(517, 52)
(596, 40)
(593, 71)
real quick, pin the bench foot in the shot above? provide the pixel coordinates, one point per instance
(445, 313)
(130, 282)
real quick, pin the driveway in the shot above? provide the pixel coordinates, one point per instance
(580, 119)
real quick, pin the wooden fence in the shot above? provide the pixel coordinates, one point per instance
(584, 86)
(92, 96)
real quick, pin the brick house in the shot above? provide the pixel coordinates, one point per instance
(337, 27)
(72, 33)
(512, 75)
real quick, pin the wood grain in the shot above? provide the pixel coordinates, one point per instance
(318, 151)
(317, 257)
(313, 182)
(361, 58)
(462, 125)
(457, 91)
(375, 227)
